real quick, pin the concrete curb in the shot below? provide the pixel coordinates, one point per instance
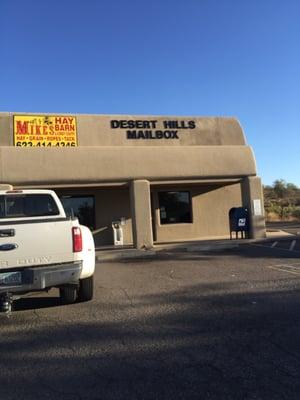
(217, 245)
(124, 254)
(127, 254)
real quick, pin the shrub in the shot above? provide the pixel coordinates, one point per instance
(296, 213)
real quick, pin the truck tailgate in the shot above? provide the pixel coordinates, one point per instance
(36, 243)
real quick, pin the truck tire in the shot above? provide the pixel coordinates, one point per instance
(86, 289)
(68, 294)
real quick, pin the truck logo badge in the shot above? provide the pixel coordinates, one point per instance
(8, 246)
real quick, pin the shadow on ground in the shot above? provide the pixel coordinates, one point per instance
(35, 303)
(201, 342)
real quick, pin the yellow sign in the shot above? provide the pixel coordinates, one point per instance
(45, 131)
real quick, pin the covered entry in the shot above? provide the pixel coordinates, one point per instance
(97, 208)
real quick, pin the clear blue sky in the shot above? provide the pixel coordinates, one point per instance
(180, 57)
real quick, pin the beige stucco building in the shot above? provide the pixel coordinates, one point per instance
(165, 179)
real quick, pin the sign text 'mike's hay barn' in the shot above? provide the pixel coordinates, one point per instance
(57, 131)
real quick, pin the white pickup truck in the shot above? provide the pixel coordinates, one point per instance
(41, 248)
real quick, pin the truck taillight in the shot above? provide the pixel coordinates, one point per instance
(77, 239)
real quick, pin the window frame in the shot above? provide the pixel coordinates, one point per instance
(190, 207)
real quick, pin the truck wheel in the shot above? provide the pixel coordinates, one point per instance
(68, 294)
(86, 289)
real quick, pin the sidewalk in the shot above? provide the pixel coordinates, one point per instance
(114, 253)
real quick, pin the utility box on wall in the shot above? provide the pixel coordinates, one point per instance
(118, 233)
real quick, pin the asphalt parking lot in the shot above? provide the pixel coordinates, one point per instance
(175, 326)
(291, 244)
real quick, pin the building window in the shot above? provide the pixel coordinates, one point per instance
(82, 207)
(175, 207)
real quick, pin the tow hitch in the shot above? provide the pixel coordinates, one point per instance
(6, 301)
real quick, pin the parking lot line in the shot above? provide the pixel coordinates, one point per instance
(276, 247)
(274, 244)
(285, 268)
(293, 244)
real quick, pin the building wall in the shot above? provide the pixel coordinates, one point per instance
(112, 205)
(210, 206)
(97, 130)
(81, 165)
(202, 148)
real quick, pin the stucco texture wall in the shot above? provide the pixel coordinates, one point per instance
(97, 130)
(122, 164)
(211, 205)
(204, 148)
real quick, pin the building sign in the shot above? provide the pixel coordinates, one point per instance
(152, 129)
(45, 131)
(257, 207)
